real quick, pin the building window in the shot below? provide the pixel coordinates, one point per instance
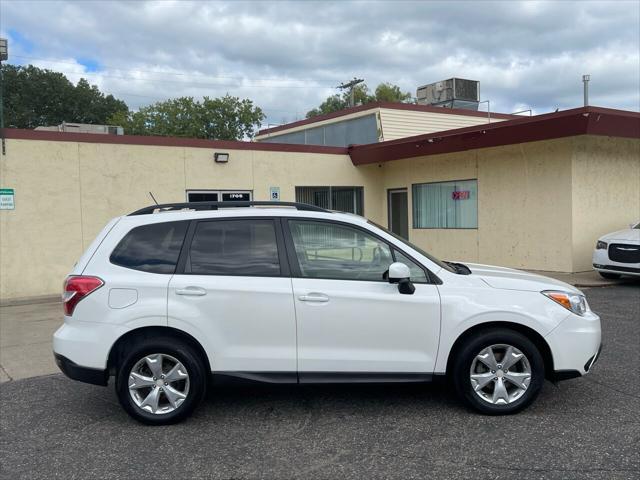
(356, 131)
(446, 204)
(343, 199)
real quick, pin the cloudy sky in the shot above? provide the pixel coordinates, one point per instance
(288, 56)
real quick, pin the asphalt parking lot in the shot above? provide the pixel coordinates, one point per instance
(52, 427)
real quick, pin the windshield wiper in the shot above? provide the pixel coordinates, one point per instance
(460, 268)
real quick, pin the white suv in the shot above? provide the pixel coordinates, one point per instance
(173, 297)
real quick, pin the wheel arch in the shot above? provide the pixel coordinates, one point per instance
(528, 332)
(119, 347)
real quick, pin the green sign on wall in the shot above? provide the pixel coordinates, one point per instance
(7, 199)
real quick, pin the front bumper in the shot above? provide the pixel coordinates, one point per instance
(616, 269)
(560, 375)
(74, 371)
(602, 263)
(575, 345)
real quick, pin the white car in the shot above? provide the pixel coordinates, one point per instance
(171, 297)
(618, 253)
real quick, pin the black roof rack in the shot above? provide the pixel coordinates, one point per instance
(167, 207)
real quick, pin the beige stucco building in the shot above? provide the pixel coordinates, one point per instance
(531, 193)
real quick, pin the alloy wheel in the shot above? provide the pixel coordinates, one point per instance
(158, 383)
(500, 374)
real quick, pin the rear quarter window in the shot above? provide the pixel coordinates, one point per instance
(151, 248)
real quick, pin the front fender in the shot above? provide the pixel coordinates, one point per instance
(466, 308)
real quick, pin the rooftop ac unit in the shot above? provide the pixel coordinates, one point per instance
(450, 93)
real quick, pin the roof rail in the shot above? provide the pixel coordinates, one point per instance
(167, 207)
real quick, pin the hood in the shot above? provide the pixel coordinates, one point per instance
(512, 279)
(629, 235)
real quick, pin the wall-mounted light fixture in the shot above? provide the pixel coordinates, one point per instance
(220, 157)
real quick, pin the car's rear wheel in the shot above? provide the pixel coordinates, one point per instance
(610, 276)
(498, 371)
(160, 381)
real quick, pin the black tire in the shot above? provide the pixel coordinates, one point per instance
(472, 346)
(167, 346)
(610, 276)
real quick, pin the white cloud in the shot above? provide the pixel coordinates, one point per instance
(287, 56)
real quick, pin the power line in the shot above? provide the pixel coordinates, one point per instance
(160, 98)
(183, 74)
(186, 84)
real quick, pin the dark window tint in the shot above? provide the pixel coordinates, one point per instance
(234, 247)
(151, 248)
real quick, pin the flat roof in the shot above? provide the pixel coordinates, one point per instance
(568, 123)
(391, 105)
(150, 140)
(574, 122)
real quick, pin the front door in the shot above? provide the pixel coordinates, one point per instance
(232, 288)
(350, 320)
(398, 212)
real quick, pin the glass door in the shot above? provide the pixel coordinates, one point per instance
(398, 212)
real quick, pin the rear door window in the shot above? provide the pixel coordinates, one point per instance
(234, 247)
(153, 248)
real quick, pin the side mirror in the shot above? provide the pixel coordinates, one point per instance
(399, 273)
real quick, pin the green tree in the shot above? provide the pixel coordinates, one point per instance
(36, 97)
(224, 118)
(385, 92)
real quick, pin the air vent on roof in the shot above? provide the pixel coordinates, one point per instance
(451, 93)
(85, 128)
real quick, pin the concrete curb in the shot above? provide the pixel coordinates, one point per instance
(30, 300)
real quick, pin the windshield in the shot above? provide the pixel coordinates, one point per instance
(438, 262)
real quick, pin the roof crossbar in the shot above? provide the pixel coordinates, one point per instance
(167, 207)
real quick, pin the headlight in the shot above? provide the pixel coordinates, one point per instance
(600, 245)
(573, 302)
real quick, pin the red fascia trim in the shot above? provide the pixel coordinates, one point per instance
(24, 134)
(579, 121)
(390, 105)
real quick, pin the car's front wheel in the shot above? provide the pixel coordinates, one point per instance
(498, 371)
(160, 381)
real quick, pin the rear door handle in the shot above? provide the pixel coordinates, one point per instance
(314, 297)
(193, 291)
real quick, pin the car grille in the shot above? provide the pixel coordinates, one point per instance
(624, 253)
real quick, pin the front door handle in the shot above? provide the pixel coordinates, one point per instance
(193, 291)
(314, 297)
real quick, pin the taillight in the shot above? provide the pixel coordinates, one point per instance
(76, 288)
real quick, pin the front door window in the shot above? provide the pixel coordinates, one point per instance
(327, 250)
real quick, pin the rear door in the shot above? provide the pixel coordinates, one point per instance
(232, 291)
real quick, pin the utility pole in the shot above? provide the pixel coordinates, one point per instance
(4, 55)
(350, 85)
